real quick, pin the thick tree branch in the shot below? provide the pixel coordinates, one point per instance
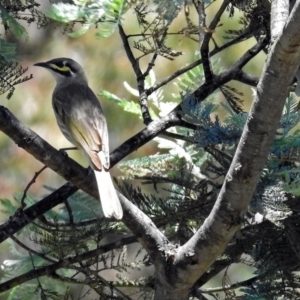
(58, 161)
(226, 217)
(152, 239)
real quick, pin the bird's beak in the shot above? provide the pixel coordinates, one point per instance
(42, 64)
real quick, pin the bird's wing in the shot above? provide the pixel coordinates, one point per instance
(88, 137)
(86, 123)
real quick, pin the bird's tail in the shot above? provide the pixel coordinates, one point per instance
(111, 205)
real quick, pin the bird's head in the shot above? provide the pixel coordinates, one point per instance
(64, 70)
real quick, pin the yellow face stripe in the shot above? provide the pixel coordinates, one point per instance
(62, 69)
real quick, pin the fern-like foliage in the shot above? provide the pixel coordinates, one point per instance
(155, 100)
(13, 11)
(191, 79)
(275, 260)
(11, 73)
(154, 32)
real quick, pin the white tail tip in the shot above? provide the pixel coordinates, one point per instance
(111, 205)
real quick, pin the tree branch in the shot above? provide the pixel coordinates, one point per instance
(279, 16)
(247, 282)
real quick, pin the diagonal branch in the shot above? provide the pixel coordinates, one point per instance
(246, 78)
(26, 216)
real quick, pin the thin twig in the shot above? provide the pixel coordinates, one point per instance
(105, 282)
(204, 49)
(31, 182)
(16, 223)
(140, 77)
(177, 136)
(43, 296)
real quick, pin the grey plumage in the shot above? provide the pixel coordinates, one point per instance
(80, 117)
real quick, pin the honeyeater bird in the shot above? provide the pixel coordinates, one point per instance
(80, 117)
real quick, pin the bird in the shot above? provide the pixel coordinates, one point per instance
(80, 118)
